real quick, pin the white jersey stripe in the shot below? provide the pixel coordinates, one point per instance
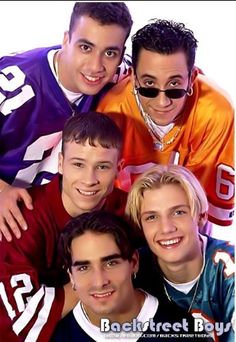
(220, 214)
(42, 316)
(29, 312)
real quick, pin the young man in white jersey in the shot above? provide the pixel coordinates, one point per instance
(193, 270)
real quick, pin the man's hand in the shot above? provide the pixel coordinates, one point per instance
(11, 218)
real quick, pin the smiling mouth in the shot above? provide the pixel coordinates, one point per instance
(92, 79)
(102, 295)
(162, 112)
(170, 242)
(87, 193)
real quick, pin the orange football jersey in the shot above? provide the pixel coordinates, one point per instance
(201, 140)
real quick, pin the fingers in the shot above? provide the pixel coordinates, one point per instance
(7, 232)
(11, 218)
(15, 220)
(11, 223)
(26, 198)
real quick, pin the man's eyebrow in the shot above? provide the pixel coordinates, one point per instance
(80, 263)
(77, 158)
(112, 256)
(176, 76)
(113, 48)
(84, 41)
(107, 162)
(148, 212)
(175, 207)
(154, 78)
(105, 258)
(180, 206)
(147, 75)
(87, 42)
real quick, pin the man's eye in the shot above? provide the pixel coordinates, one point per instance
(111, 53)
(112, 263)
(150, 218)
(179, 212)
(85, 48)
(174, 84)
(149, 83)
(103, 167)
(81, 268)
(79, 165)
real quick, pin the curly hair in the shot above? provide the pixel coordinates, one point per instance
(164, 37)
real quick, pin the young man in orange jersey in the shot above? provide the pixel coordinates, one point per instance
(170, 113)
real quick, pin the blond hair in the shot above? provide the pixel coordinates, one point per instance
(160, 175)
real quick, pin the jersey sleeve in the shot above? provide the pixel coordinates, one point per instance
(33, 111)
(28, 307)
(216, 302)
(212, 161)
(229, 310)
(224, 260)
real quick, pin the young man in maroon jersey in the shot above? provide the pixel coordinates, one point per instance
(33, 295)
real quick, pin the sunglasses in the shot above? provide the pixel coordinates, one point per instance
(153, 92)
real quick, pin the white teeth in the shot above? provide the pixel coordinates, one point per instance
(169, 242)
(92, 79)
(102, 295)
(87, 193)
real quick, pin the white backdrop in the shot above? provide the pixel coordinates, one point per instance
(29, 24)
(24, 25)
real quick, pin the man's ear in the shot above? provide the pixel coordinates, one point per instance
(66, 39)
(120, 164)
(60, 163)
(71, 279)
(194, 74)
(202, 220)
(122, 55)
(132, 76)
(69, 273)
(135, 261)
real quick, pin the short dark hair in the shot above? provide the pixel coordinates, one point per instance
(93, 127)
(98, 222)
(106, 13)
(165, 37)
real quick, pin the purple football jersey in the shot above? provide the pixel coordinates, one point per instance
(33, 110)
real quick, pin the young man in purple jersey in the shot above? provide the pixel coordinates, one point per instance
(40, 88)
(33, 292)
(193, 270)
(99, 253)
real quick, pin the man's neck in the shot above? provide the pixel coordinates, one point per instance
(130, 311)
(183, 272)
(71, 95)
(73, 210)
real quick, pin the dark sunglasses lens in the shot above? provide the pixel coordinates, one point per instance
(148, 92)
(153, 92)
(175, 93)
